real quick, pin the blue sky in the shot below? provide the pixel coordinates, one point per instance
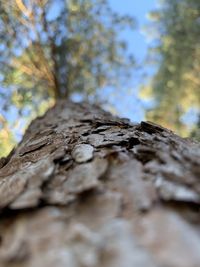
(126, 101)
(139, 10)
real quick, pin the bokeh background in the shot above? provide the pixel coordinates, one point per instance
(138, 59)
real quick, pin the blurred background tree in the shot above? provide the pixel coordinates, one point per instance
(175, 87)
(50, 49)
(58, 47)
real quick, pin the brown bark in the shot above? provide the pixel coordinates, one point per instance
(86, 189)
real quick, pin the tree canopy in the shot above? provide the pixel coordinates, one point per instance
(175, 87)
(58, 47)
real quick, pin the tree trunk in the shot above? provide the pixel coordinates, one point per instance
(86, 189)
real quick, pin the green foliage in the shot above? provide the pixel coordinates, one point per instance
(6, 138)
(176, 51)
(57, 47)
(195, 133)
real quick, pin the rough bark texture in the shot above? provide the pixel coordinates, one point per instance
(86, 189)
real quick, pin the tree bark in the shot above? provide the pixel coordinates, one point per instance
(86, 189)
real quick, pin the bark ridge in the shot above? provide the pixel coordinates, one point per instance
(87, 189)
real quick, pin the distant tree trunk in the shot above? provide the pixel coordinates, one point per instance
(86, 189)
